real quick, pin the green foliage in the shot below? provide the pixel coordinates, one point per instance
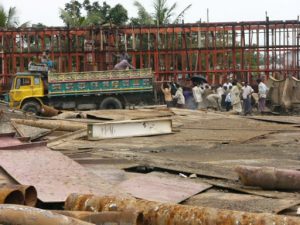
(118, 15)
(144, 18)
(162, 13)
(96, 14)
(8, 19)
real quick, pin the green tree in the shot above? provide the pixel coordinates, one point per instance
(118, 15)
(96, 14)
(71, 14)
(143, 17)
(10, 19)
(162, 13)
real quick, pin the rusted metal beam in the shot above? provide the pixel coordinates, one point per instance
(106, 218)
(129, 128)
(269, 177)
(166, 214)
(16, 56)
(15, 214)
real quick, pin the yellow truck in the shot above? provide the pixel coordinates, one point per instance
(113, 89)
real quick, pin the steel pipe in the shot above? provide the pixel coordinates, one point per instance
(173, 214)
(106, 218)
(30, 195)
(25, 215)
(269, 177)
(11, 195)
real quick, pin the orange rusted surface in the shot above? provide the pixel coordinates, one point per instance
(174, 214)
(125, 217)
(14, 214)
(269, 177)
(11, 195)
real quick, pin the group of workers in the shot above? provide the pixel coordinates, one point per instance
(232, 95)
(229, 96)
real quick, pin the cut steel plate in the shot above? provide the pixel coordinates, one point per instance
(162, 189)
(54, 175)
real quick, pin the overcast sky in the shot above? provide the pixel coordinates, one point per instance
(47, 11)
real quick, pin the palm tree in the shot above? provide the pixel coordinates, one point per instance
(162, 13)
(9, 19)
(143, 16)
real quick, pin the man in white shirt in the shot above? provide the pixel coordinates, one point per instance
(262, 95)
(247, 91)
(197, 94)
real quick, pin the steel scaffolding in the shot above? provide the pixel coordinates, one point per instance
(245, 49)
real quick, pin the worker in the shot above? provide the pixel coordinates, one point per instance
(247, 91)
(166, 89)
(197, 94)
(235, 98)
(227, 101)
(180, 97)
(262, 95)
(123, 65)
(214, 100)
(207, 91)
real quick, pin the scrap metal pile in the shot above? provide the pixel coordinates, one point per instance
(40, 184)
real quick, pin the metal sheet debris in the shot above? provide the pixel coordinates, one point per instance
(162, 189)
(129, 128)
(241, 202)
(54, 175)
(8, 139)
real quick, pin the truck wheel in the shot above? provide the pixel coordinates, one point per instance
(32, 107)
(111, 103)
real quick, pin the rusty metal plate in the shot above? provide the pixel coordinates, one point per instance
(162, 188)
(241, 202)
(54, 175)
(7, 140)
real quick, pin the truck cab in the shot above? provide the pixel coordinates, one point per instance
(27, 92)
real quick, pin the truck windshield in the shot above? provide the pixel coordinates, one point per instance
(22, 82)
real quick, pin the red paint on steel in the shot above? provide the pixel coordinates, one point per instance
(246, 49)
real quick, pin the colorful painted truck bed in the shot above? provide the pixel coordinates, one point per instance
(114, 81)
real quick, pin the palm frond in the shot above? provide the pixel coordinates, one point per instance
(182, 13)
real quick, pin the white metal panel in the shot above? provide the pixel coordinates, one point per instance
(132, 128)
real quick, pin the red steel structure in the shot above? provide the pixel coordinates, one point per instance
(245, 49)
